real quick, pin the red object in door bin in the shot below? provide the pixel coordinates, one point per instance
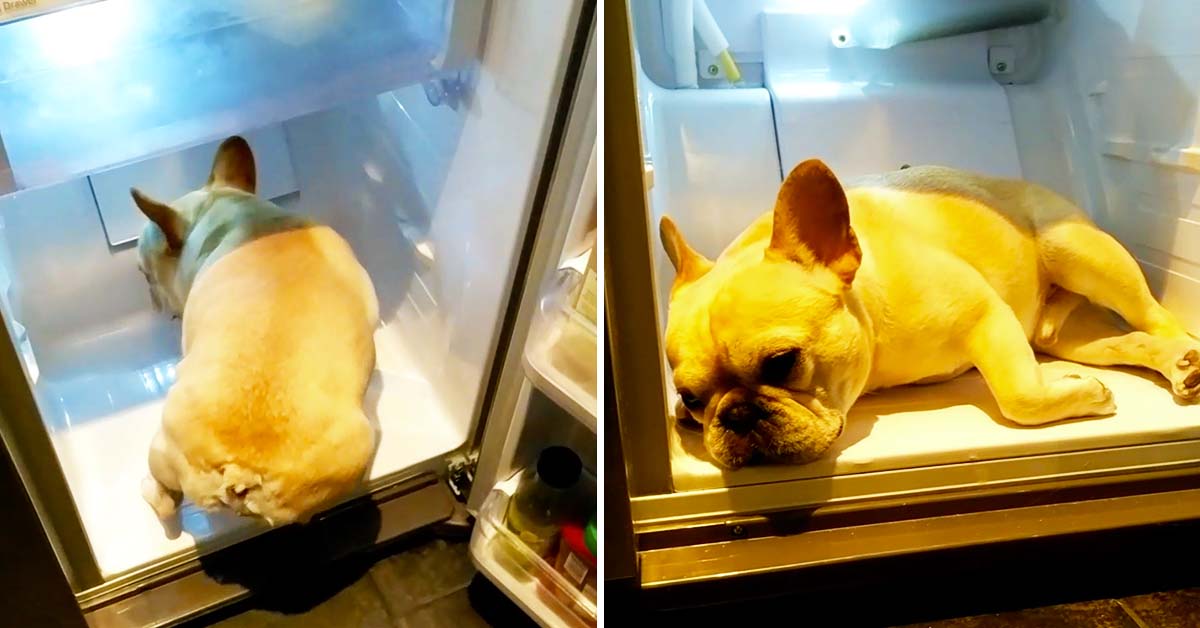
(576, 564)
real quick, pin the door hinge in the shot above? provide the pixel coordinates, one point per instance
(460, 474)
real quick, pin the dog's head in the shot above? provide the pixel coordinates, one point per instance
(768, 346)
(162, 240)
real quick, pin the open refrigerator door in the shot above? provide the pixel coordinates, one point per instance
(536, 530)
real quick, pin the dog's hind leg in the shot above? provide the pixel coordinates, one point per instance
(161, 488)
(1092, 336)
(1082, 259)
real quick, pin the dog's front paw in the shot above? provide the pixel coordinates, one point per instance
(159, 498)
(1098, 399)
(1185, 376)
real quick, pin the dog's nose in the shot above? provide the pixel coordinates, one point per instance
(741, 418)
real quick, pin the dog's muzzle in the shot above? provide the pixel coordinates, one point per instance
(741, 418)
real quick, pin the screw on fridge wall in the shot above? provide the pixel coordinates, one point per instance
(1002, 59)
(450, 89)
(713, 69)
(737, 531)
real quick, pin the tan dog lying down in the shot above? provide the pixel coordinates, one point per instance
(266, 414)
(911, 276)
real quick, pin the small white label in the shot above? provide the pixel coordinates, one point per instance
(12, 6)
(13, 9)
(585, 302)
(576, 569)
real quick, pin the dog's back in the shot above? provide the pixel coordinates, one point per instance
(991, 223)
(1027, 205)
(277, 355)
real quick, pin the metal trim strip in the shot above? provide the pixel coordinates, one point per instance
(716, 561)
(863, 487)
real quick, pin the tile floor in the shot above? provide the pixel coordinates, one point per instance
(1170, 609)
(425, 583)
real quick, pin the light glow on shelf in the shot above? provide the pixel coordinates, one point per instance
(85, 34)
(820, 7)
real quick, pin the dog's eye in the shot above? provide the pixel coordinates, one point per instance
(777, 369)
(690, 401)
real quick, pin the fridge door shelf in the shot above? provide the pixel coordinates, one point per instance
(560, 354)
(527, 578)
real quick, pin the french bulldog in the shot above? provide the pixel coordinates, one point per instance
(907, 277)
(265, 417)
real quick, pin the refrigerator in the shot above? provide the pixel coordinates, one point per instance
(451, 143)
(712, 102)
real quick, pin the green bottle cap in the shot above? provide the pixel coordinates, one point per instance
(589, 535)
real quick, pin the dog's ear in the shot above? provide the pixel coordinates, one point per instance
(689, 265)
(168, 220)
(812, 221)
(234, 166)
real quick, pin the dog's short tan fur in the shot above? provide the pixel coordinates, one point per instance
(266, 414)
(910, 276)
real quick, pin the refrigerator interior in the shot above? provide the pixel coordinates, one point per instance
(1097, 101)
(356, 118)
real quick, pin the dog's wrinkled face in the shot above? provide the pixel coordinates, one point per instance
(768, 346)
(162, 239)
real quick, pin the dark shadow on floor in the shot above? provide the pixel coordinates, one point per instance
(424, 579)
(494, 607)
(294, 568)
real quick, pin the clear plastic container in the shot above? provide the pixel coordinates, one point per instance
(515, 566)
(546, 497)
(561, 354)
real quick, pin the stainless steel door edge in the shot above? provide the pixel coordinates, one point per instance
(721, 561)
(906, 508)
(167, 595)
(28, 440)
(630, 301)
(989, 474)
(568, 149)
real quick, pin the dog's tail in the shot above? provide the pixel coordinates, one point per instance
(244, 492)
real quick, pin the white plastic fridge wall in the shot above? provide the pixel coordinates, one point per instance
(433, 201)
(1113, 124)
(1120, 140)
